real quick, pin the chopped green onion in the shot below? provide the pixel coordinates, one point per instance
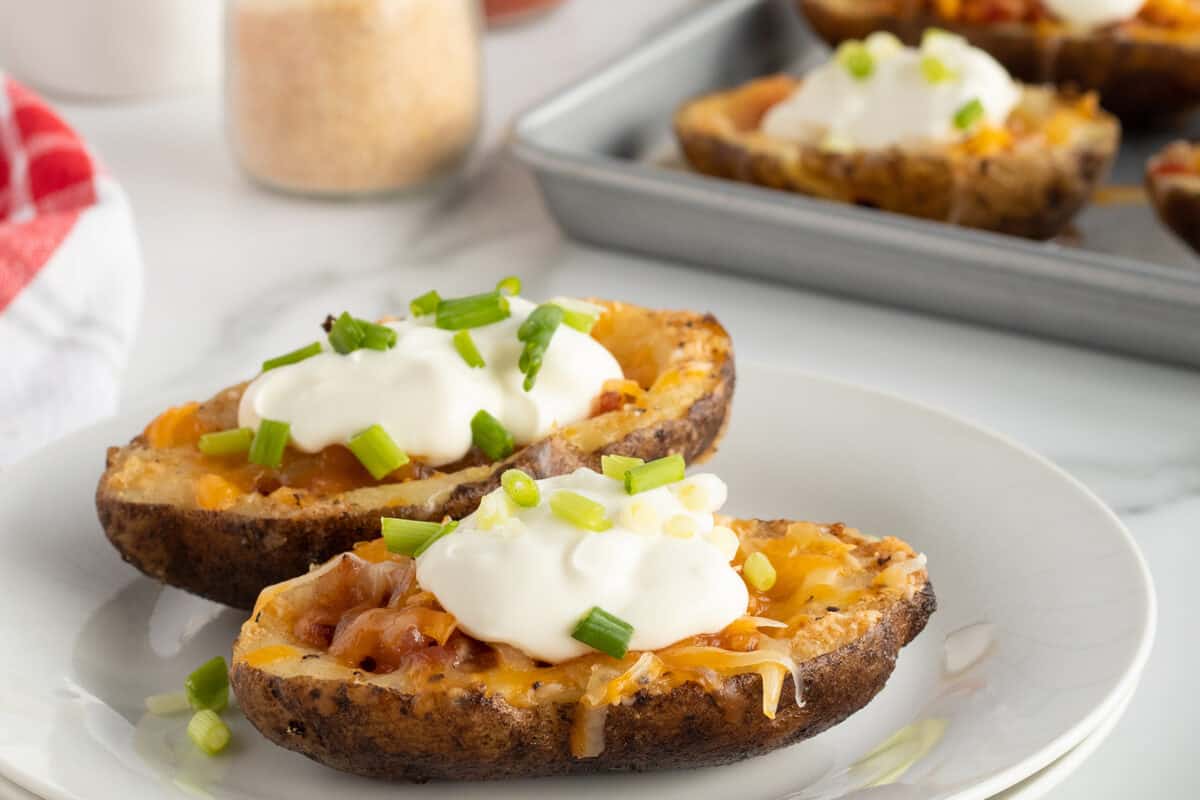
(602, 631)
(654, 474)
(536, 332)
(269, 442)
(759, 572)
(615, 467)
(444, 530)
(376, 336)
(521, 488)
(466, 348)
(966, 117)
(490, 436)
(579, 320)
(346, 334)
(510, 286)
(226, 443)
(935, 70)
(294, 357)
(208, 686)
(580, 511)
(856, 59)
(425, 304)
(377, 451)
(404, 536)
(208, 732)
(162, 705)
(475, 311)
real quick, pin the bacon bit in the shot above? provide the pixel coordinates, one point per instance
(606, 402)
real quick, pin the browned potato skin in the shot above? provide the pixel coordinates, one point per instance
(1139, 80)
(372, 730)
(1177, 199)
(1033, 193)
(230, 557)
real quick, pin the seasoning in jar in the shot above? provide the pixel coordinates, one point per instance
(352, 97)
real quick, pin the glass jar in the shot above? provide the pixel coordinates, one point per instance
(352, 97)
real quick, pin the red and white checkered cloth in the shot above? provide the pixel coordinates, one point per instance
(70, 278)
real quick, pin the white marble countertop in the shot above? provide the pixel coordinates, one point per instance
(233, 272)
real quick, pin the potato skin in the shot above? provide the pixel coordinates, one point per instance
(377, 731)
(1176, 199)
(230, 557)
(1139, 80)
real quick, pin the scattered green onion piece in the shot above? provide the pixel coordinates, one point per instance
(208, 732)
(466, 348)
(404, 536)
(759, 571)
(475, 311)
(163, 705)
(935, 70)
(377, 451)
(226, 443)
(346, 334)
(490, 436)
(208, 686)
(294, 357)
(580, 511)
(510, 286)
(520, 488)
(536, 332)
(602, 631)
(615, 467)
(376, 336)
(444, 530)
(425, 304)
(856, 59)
(966, 117)
(269, 442)
(655, 474)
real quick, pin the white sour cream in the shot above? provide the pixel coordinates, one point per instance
(1094, 13)
(424, 394)
(896, 103)
(525, 577)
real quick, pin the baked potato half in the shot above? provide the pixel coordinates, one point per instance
(1027, 179)
(1145, 68)
(406, 696)
(225, 529)
(1173, 183)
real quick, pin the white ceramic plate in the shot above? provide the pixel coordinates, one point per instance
(1046, 618)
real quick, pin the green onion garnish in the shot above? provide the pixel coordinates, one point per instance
(475, 311)
(579, 320)
(604, 632)
(935, 70)
(346, 334)
(404, 536)
(444, 530)
(536, 332)
(615, 467)
(269, 441)
(655, 474)
(425, 304)
(376, 336)
(226, 443)
(759, 571)
(856, 59)
(208, 732)
(580, 511)
(966, 117)
(490, 436)
(521, 488)
(296, 356)
(162, 705)
(377, 451)
(509, 286)
(466, 348)
(208, 686)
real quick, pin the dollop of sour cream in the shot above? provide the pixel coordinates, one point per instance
(1094, 13)
(524, 577)
(424, 394)
(897, 102)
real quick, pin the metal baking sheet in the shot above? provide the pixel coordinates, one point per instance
(604, 159)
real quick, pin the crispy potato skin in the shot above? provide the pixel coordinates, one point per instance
(1032, 192)
(1177, 198)
(230, 557)
(1139, 80)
